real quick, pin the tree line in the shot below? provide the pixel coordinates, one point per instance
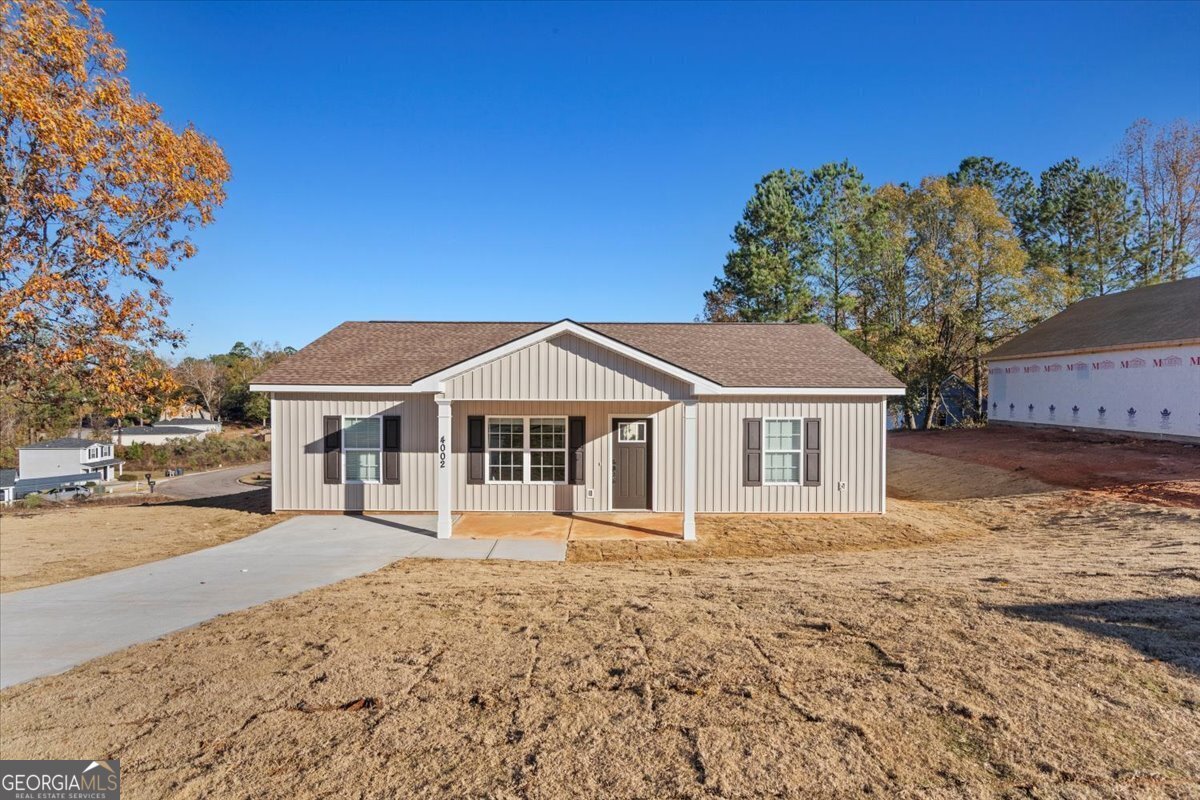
(927, 278)
(220, 384)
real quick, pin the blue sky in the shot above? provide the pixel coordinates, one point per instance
(527, 161)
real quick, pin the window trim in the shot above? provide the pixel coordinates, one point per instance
(799, 452)
(346, 450)
(526, 450)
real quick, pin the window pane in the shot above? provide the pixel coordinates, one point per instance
(361, 432)
(548, 465)
(547, 433)
(783, 434)
(506, 465)
(631, 432)
(782, 467)
(362, 465)
(506, 433)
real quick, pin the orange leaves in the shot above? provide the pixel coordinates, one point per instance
(99, 194)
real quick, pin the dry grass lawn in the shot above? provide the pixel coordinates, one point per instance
(1025, 642)
(61, 544)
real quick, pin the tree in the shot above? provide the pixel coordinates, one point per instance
(1013, 188)
(832, 202)
(258, 407)
(206, 381)
(98, 194)
(1162, 165)
(766, 276)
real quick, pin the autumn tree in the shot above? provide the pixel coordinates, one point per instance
(1162, 165)
(99, 197)
(203, 381)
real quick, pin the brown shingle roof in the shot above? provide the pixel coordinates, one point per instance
(735, 354)
(1149, 315)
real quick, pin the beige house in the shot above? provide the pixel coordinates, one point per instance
(570, 417)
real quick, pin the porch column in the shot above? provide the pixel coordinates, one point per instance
(445, 470)
(690, 468)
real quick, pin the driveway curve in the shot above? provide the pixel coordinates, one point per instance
(217, 483)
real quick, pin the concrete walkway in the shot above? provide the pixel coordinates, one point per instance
(49, 629)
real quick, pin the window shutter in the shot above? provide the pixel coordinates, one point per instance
(812, 452)
(752, 452)
(391, 449)
(333, 449)
(475, 449)
(576, 438)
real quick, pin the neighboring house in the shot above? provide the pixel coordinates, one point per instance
(69, 460)
(1127, 362)
(569, 417)
(8, 486)
(194, 423)
(163, 432)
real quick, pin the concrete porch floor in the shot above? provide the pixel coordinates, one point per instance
(564, 527)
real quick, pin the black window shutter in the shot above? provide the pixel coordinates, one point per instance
(812, 452)
(475, 449)
(576, 438)
(333, 449)
(752, 452)
(391, 449)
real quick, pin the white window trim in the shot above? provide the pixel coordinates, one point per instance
(526, 450)
(345, 450)
(800, 462)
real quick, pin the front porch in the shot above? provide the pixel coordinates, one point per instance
(570, 527)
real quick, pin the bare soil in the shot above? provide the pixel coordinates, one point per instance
(1047, 646)
(54, 544)
(1142, 470)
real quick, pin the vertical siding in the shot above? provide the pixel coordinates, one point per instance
(297, 445)
(851, 451)
(565, 368)
(667, 488)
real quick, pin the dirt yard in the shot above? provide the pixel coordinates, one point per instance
(1142, 470)
(1025, 640)
(60, 544)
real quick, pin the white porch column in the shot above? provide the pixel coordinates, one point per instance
(445, 468)
(691, 459)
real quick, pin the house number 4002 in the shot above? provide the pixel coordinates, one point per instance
(442, 453)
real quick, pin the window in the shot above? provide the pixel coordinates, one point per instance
(362, 441)
(631, 432)
(539, 458)
(547, 450)
(781, 450)
(93, 453)
(506, 450)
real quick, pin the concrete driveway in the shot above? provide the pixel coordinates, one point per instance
(49, 629)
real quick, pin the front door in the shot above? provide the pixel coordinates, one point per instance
(631, 464)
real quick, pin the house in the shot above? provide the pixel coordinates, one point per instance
(8, 486)
(570, 417)
(1127, 362)
(68, 460)
(164, 431)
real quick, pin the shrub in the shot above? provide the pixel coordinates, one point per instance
(33, 501)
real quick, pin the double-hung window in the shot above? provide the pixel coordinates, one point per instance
(362, 442)
(781, 450)
(527, 450)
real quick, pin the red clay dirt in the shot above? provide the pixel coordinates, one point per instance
(1164, 473)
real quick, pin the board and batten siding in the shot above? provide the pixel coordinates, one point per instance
(297, 435)
(565, 368)
(852, 450)
(667, 442)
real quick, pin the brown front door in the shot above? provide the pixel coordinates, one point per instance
(631, 464)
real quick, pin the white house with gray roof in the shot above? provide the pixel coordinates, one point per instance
(70, 460)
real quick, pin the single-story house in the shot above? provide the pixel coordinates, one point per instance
(571, 417)
(195, 423)
(66, 459)
(1126, 362)
(160, 433)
